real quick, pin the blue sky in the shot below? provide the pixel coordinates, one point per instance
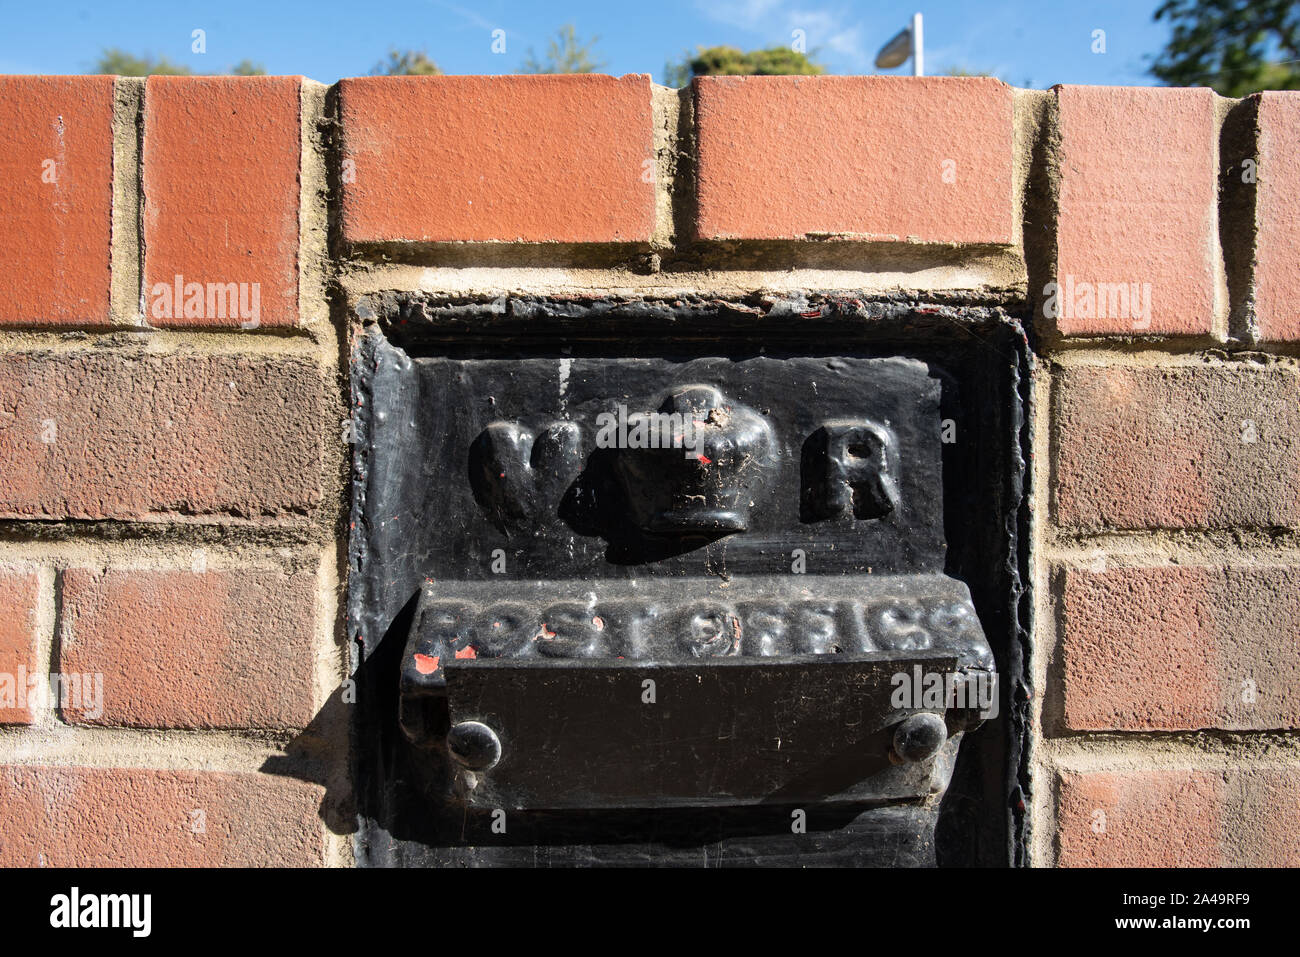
(1026, 42)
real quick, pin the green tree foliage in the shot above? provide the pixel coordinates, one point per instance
(1238, 47)
(565, 54)
(406, 63)
(121, 63)
(247, 68)
(729, 61)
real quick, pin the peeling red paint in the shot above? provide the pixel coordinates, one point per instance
(426, 664)
(466, 652)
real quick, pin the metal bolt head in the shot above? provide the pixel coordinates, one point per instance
(474, 745)
(919, 736)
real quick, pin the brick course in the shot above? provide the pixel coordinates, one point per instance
(1181, 648)
(1179, 818)
(1137, 207)
(179, 649)
(134, 817)
(870, 158)
(221, 161)
(136, 437)
(559, 159)
(56, 199)
(1277, 281)
(19, 593)
(1209, 446)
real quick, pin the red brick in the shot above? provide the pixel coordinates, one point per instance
(510, 158)
(1266, 805)
(1181, 648)
(1179, 818)
(178, 649)
(1277, 211)
(1138, 194)
(135, 817)
(858, 157)
(19, 595)
(56, 235)
(1127, 819)
(1143, 447)
(109, 435)
(221, 157)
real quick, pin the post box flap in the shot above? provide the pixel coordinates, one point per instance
(726, 732)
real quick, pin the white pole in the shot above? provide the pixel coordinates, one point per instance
(918, 54)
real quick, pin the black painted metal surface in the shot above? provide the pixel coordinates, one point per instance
(546, 525)
(729, 733)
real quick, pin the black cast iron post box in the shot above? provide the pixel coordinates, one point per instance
(653, 590)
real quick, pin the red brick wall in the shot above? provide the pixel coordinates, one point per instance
(171, 498)
(172, 479)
